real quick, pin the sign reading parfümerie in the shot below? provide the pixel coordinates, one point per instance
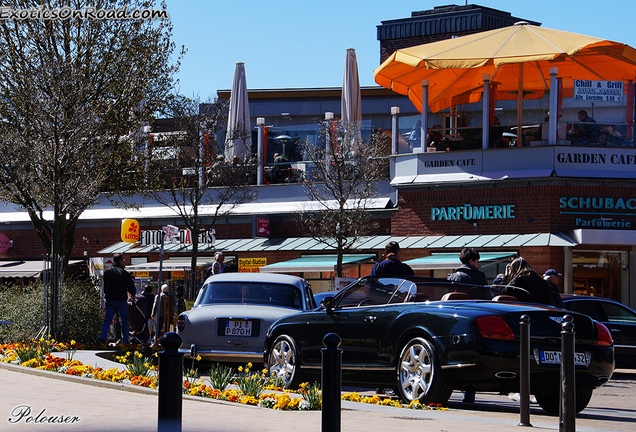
(599, 212)
(598, 91)
(471, 212)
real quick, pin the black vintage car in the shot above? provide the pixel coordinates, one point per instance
(426, 338)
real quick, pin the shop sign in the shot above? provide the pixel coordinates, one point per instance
(5, 243)
(598, 91)
(263, 227)
(471, 212)
(141, 273)
(251, 265)
(177, 275)
(606, 212)
(184, 237)
(130, 231)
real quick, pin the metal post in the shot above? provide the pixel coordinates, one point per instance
(328, 120)
(524, 370)
(567, 408)
(395, 146)
(260, 121)
(554, 109)
(424, 128)
(331, 382)
(485, 119)
(170, 383)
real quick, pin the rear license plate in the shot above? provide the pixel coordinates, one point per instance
(554, 357)
(238, 328)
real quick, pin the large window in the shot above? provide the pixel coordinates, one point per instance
(600, 273)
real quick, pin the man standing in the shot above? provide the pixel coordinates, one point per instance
(389, 264)
(217, 266)
(469, 271)
(118, 285)
(553, 277)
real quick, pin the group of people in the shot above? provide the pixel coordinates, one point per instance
(119, 288)
(520, 279)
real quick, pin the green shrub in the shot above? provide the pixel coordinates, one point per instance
(22, 305)
(80, 313)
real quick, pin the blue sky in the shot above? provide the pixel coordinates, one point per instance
(295, 43)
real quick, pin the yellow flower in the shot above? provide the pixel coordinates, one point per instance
(264, 371)
(249, 365)
(73, 343)
(240, 368)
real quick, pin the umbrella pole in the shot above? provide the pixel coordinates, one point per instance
(520, 107)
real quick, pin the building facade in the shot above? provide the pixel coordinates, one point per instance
(564, 207)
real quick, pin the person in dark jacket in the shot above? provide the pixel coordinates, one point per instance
(469, 271)
(145, 301)
(118, 286)
(389, 264)
(522, 275)
(553, 277)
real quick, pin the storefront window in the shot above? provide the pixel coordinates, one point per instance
(599, 273)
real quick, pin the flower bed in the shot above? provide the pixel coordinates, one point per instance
(248, 387)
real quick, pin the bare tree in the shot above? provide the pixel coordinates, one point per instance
(342, 181)
(188, 169)
(73, 93)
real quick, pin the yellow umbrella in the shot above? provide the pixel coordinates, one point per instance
(514, 57)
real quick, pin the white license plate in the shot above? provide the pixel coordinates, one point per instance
(554, 357)
(238, 328)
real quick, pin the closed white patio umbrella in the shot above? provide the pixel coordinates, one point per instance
(350, 102)
(238, 141)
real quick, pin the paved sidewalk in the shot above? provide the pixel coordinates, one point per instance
(108, 407)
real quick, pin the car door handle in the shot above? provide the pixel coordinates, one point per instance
(370, 319)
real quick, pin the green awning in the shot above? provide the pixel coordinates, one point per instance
(317, 263)
(442, 261)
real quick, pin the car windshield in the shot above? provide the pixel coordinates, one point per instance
(376, 292)
(250, 293)
(371, 291)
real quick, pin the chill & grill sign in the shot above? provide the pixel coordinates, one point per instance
(598, 91)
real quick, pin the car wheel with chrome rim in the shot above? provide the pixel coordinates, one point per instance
(419, 377)
(282, 361)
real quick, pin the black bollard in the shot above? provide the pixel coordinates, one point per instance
(331, 382)
(170, 383)
(524, 372)
(567, 408)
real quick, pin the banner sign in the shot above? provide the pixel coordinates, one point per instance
(251, 265)
(263, 227)
(5, 243)
(598, 91)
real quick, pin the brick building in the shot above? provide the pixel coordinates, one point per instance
(563, 207)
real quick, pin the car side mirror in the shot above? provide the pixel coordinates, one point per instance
(327, 303)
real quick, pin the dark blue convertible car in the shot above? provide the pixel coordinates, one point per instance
(425, 338)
